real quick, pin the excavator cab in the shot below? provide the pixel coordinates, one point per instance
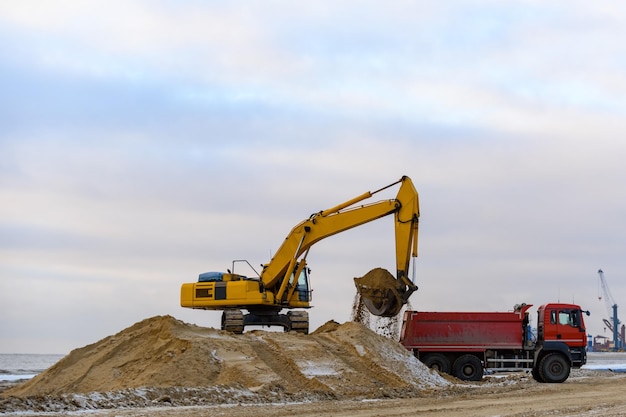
(302, 286)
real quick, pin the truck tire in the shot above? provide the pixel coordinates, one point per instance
(535, 374)
(554, 368)
(438, 362)
(468, 368)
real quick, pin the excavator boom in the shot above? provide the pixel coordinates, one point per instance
(343, 217)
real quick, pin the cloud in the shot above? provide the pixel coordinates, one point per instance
(142, 143)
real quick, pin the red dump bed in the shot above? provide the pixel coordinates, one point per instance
(468, 331)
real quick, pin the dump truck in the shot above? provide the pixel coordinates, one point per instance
(468, 344)
(283, 283)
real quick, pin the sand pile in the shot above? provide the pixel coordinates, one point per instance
(176, 361)
(154, 352)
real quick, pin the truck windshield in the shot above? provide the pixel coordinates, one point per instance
(566, 317)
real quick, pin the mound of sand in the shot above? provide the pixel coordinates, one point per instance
(336, 361)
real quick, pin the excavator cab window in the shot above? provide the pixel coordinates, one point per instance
(304, 294)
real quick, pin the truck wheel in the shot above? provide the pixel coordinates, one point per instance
(535, 374)
(554, 368)
(438, 362)
(468, 368)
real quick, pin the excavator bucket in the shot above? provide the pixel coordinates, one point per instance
(381, 292)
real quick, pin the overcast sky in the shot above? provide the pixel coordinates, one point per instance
(145, 142)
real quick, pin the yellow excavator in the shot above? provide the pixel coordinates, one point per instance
(284, 282)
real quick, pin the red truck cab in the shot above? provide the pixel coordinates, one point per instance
(563, 324)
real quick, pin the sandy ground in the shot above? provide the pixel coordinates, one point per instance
(585, 394)
(596, 396)
(164, 367)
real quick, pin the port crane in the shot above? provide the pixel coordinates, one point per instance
(611, 308)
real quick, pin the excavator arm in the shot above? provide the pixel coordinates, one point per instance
(390, 295)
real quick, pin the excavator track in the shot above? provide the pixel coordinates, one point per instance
(232, 321)
(298, 321)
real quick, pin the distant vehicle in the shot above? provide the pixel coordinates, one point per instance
(466, 344)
